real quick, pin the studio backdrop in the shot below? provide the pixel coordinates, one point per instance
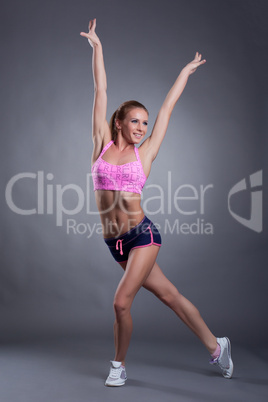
(205, 191)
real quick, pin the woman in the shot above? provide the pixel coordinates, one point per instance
(119, 172)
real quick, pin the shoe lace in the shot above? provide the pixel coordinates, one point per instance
(217, 361)
(115, 372)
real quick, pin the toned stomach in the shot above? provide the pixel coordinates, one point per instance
(119, 211)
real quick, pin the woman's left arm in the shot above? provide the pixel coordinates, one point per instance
(153, 142)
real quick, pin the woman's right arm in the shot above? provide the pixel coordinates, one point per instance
(100, 127)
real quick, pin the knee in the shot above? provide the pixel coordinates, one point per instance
(171, 298)
(121, 306)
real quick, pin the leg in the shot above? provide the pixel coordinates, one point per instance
(137, 270)
(159, 285)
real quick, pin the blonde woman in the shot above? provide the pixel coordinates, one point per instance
(120, 170)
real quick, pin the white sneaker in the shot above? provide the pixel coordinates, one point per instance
(117, 375)
(224, 361)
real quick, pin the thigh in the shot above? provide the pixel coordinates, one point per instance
(159, 284)
(156, 281)
(137, 269)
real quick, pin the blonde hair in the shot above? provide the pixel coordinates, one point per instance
(121, 113)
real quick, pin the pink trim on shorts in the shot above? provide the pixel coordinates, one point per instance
(152, 242)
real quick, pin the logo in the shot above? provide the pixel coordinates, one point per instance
(186, 201)
(255, 220)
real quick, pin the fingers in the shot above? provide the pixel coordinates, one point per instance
(84, 34)
(193, 65)
(201, 61)
(198, 59)
(91, 29)
(92, 25)
(199, 64)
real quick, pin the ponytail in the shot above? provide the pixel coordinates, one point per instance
(113, 127)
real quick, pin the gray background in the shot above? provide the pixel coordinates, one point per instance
(54, 283)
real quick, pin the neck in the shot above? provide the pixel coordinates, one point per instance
(121, 143)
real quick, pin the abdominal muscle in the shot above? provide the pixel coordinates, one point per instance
(120, 211)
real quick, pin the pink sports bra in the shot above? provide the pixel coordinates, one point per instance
(127, 177)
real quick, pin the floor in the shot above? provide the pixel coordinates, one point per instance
(74, 370)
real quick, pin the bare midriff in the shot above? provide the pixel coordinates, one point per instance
(119, 211)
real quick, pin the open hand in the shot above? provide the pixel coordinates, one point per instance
(192, 66)
(91, 35)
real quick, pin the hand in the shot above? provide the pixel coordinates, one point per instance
(91, 35)
(192, 66)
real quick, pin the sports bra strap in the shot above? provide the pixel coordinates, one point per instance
(111, 142)
(137, 154)
(105, 148)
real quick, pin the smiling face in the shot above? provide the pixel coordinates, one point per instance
(134, 126)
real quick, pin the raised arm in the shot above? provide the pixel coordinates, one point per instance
(100, 126)
(153, 142)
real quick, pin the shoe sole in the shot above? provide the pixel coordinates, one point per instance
(114, 385)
